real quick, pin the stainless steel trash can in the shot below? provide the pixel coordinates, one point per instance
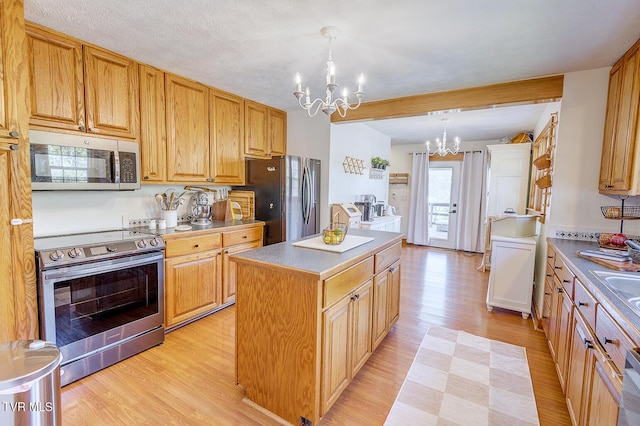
(30, 383)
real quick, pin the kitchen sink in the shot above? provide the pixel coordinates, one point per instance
(625, 285)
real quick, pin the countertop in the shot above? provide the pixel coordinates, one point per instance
(319, 263)
(583, 268)
(215, 225)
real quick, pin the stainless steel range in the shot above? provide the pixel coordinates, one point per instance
(100, 297)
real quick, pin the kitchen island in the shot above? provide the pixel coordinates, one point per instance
(308, 320)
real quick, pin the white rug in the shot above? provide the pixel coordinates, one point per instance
(460, 379)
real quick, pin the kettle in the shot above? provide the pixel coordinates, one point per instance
(200, 208)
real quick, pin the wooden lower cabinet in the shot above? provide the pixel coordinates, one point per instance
(229, 269)
(192, 285)
(386, 302)
(563, 335)
(581, 341)
(346, 341)
(602, 394)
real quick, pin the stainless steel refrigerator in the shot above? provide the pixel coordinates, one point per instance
(287, 191)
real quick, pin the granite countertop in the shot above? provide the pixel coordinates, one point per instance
(583, 268)
(215, 225)
(318, 263)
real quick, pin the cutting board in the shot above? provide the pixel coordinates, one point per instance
(612, 264)
(350, 241)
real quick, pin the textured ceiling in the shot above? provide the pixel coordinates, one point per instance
(254, 47)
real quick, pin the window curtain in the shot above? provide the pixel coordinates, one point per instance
(418, 223)
(471, 208)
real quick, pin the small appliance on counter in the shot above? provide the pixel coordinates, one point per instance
(200, 208)
(347, 213)
(366, 208)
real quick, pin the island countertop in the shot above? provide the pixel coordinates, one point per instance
(318, 263)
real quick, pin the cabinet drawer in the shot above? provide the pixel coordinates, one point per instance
(612, 338)
(387, 257)
(339, 285)
(585, 303)
(565, 276)
(245, 235)
(192, 245)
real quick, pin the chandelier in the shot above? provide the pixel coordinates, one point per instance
(441, 144)
(328, 105)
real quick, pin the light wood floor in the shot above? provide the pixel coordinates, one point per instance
(189, 380)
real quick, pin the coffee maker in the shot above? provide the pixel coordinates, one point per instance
(366, 206)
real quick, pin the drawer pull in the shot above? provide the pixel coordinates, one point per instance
(196, 245)
(550, 257)
(559, 289)
(549, 275)
(566, 281)
(582, 303)
(82, 128)
(244, 237)
(608, 341)
(557, 267)
(587, 343)
(547, 294)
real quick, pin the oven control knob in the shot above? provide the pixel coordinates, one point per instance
(154, 241)
(56, 255)
(75, 252)
(142, 243)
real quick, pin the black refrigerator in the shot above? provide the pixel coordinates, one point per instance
(287, 191)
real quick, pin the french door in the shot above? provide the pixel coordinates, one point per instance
(444, 185)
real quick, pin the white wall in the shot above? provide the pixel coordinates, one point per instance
(360, 142)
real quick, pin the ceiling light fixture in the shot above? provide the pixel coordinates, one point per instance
(441, 145)
(328, 105)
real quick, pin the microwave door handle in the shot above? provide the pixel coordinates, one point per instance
(115, 163)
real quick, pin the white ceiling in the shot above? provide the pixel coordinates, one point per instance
(254, 47)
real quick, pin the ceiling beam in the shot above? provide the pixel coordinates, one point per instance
(533, 90)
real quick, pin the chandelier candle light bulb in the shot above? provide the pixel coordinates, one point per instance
(441, 144)
(329, 105)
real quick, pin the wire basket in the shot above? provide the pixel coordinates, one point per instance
(617, 212)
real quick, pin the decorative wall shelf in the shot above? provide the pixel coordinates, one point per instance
(377, 173)
(353, 166)
(399, 178)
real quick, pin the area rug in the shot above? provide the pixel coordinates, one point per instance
(460, 379)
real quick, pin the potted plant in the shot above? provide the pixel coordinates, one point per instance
(379, 163)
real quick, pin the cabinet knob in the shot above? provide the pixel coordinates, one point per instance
(196, 245)
(146, 178)
(14, 134)
(82, 128)
(559, 289)
(582, 303)
(587, 343)
(91, 129)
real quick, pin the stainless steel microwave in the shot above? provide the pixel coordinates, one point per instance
(61, 161)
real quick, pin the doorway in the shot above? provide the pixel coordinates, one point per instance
(444, 188)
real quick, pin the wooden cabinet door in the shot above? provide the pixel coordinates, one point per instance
(563, 340)
(581, 341)
(56, 80)
(18, 300)
(256, 130)
(277, 132)
(336, 352)
(603, 391)
(380, 307)
(554, 318)
(153, 130)
(610, 126)
(192, 285)
(229, 270)
(227, 137)
(361, 323)
(187, 130)
(393, 312)
(111, 93)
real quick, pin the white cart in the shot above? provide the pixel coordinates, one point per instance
(511, 277)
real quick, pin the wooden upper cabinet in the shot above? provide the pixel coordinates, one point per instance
(153, 129)
(187, 130)
(620, 163)
(56, 80)
(256, 130)
(277, 132)
(111, 93)
(227, 137)
(81, 88)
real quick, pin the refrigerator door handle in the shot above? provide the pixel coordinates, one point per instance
(306, 195)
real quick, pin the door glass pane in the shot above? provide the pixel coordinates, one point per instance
(439, 201)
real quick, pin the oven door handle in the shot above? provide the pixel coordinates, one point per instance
(79, 271)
